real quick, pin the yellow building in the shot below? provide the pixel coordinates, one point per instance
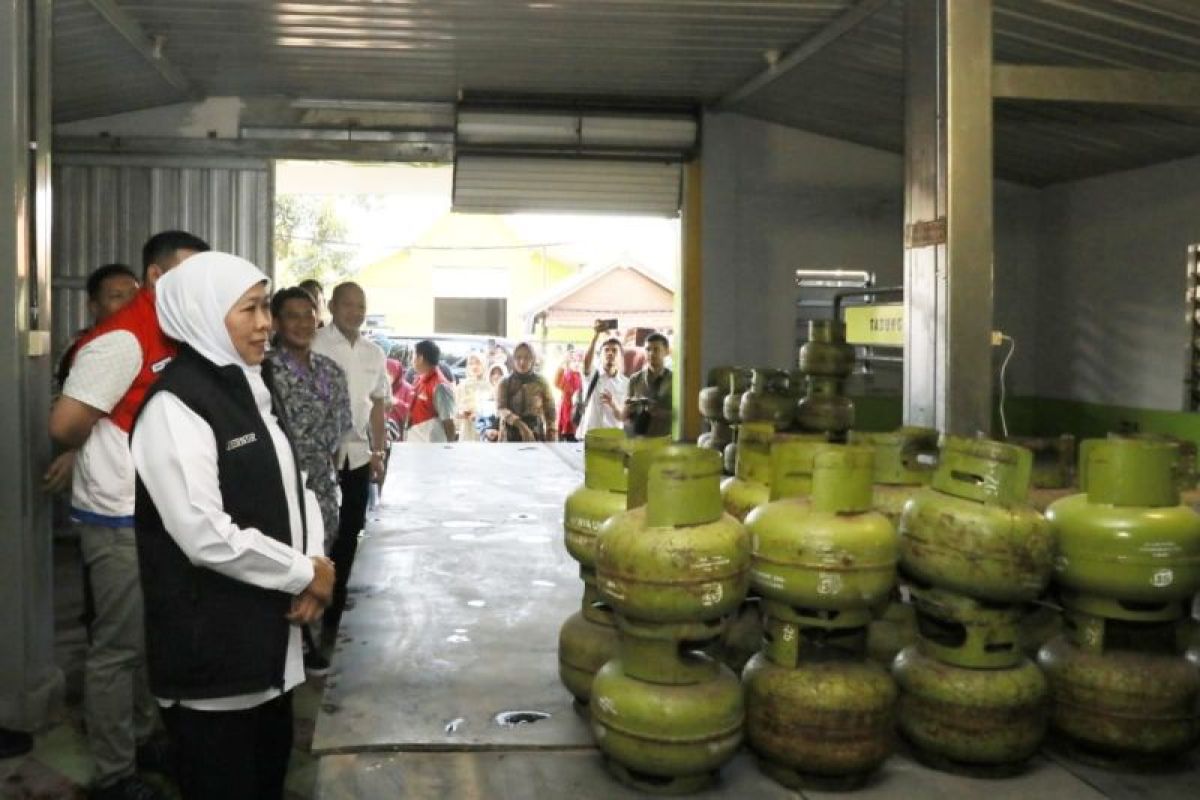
(469, 273)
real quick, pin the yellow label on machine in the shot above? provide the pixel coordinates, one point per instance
(876, 325)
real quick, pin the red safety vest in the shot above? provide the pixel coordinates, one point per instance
(423, 408)
(140, 319)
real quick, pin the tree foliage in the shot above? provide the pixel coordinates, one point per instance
(310, 240)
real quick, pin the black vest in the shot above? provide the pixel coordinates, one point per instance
(208, 635)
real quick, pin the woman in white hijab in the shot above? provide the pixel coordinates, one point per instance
(229, 540)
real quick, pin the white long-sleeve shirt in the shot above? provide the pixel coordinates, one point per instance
(175, 454)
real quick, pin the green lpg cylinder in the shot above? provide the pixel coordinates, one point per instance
(729, 457)
(639, 452)
(731, 405)
(905, 460)
(824, 407)
(666, 738)
(717, 437)
(602, 494)
(971, 532)
(1127, 549)
(816, 715)
(792, 458)
(826, 353)
(750, 485)
(967, 632)
(586, 642)
(1120, 694)
(768, 399)
(826, 360)
(712, 397)
(986, 720)
(832, 556)
(680, 558)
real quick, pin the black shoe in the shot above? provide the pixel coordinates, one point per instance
(131, 788)
(14, 743)
(155, 755)
(315, 664)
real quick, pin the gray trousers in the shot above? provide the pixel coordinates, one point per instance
(118, 709)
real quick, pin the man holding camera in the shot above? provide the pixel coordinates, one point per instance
(604, 389)
(647, 409)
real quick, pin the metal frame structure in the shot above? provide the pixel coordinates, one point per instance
(1191, 380)
(30, 683)
(948, 234)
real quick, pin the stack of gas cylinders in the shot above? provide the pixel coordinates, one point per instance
(588, 639)
(876, 588)
(665, 714)
(809, 399)
(819, 713)
(826, 360)
(1128, 566)
(905, 460)
(722, 381)
(973, 554)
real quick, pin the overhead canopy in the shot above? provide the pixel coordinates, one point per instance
(833, 67)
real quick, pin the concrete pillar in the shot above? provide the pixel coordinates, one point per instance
(30, 684)
(948, 215)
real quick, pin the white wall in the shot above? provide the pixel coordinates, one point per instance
(1111, 298)
(776, 199)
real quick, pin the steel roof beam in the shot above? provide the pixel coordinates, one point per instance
(844, 24)
(151, 51)
(1095, 85)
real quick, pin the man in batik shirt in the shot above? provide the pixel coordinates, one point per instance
(315, 398)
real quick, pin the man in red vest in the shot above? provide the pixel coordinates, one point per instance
(114, 366)
(431, 416)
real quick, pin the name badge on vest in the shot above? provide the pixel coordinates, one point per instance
(161, 364)
(241, 441)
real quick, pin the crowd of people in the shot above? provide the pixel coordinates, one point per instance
(503, 397)
(220, 442)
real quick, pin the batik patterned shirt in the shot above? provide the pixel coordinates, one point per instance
(316, 401)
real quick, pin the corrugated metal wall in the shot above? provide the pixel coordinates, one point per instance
(105, 207)
(514, 184)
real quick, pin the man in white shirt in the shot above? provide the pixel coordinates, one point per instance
(110, 374)
(604, 389)
(360, 459)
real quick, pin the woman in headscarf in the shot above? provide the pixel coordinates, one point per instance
(524, 402)
(473, 391)
(229, 540)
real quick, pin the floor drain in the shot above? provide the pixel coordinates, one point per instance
(511, 719)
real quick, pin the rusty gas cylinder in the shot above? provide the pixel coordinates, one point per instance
(1122, 690)
(768, 399)
(679, 558)
(831, 553)
(817, 714)
(971, 530)
(971, 719)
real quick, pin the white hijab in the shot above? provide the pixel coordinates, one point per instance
(193, 298)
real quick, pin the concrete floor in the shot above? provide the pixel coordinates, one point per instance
(460, 589)
(60, 765)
